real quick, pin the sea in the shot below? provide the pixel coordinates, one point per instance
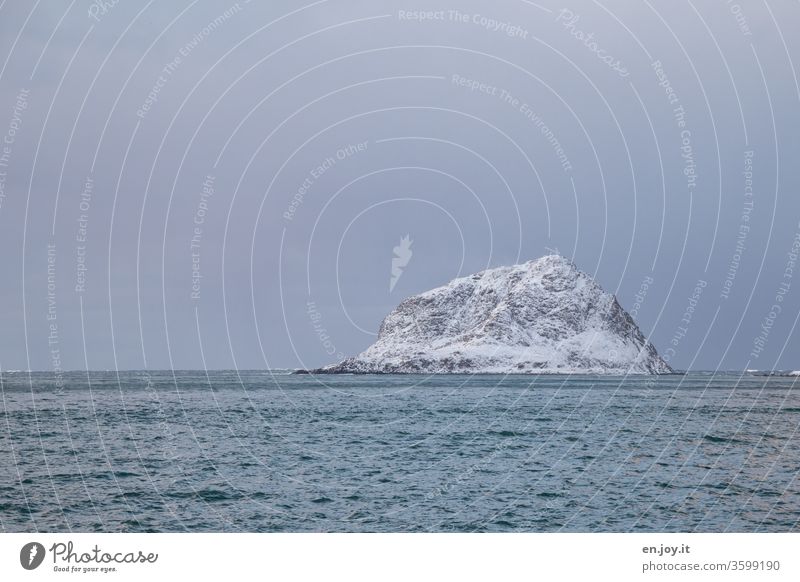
(270, 451)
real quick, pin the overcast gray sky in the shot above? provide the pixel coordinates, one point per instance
(209, 184)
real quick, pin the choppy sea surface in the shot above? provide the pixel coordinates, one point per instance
(262, 451)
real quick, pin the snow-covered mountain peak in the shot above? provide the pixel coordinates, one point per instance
(542, 316)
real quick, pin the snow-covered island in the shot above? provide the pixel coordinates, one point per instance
(540, 317)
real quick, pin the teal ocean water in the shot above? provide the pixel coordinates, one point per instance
(269, 451)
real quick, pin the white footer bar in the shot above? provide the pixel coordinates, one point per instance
(376, 557)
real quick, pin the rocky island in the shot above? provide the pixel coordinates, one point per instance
(540, 317)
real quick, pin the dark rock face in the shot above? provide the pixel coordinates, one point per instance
(543, 316)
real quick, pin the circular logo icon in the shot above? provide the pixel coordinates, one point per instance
(31, 555)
